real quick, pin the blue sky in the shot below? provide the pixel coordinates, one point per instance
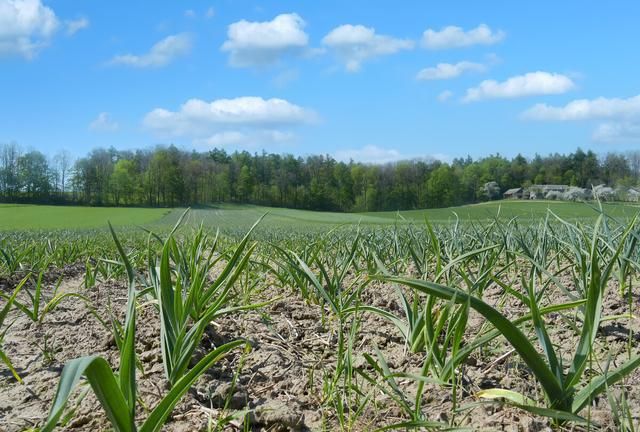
(370, 80)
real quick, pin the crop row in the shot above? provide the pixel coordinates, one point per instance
(557, 272)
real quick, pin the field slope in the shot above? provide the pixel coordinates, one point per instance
(18, 217)
(241, 217)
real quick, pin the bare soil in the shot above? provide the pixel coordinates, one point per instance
(280, 380)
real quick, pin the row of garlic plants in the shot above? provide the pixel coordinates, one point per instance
(438, 274)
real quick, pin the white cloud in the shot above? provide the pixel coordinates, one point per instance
(222, 139)
(447, 70)
(355, 44)
(254, 139)
(368, 154)
(104, 123)
(264, 43)
(445, 95)
(623, 115)
(530, 84)
(587, 109)
(456, 37)
(372, 154)
(620, 132)
(210, 13)
(197, 118)
(26, 26)
(74, 26)
(190, 13)
(161, 54)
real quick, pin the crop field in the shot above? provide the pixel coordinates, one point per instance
(33, 217)
(20, 217)
(242, 217)
(509, 316)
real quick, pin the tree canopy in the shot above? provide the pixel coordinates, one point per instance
(168, 176)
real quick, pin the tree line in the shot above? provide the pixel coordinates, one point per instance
(167, 176)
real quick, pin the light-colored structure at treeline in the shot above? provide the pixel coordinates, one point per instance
(573, 193)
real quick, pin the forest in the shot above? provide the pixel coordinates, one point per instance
(167, 176)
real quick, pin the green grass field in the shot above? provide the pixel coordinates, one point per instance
(32, 217)
(528, 210)
(243, 216)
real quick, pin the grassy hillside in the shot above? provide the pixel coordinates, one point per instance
(520, 209)
(241, 217)
(24, 217)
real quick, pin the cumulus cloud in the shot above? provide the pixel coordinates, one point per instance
(369, 154)
(354, 44)
(26, 26)
(372, 154)
(74, 26)
(622, 115)
(161, 54)
(621, 132)
(530, 84)
(456, 37)
(587, 109)
(263, 43)
(245, 139)
(200, 119)
(104, 123)
(444, 71)
(197, 115)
